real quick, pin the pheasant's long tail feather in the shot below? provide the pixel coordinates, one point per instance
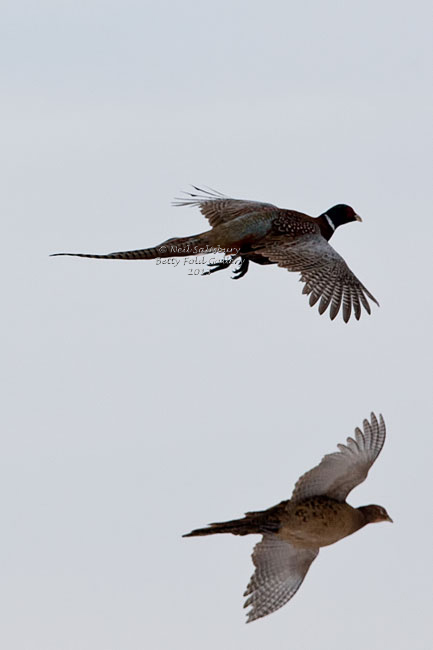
(259, 522)
(144, 254)
(235, 527)
(176, 247)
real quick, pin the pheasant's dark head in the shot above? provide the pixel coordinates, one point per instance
(340, 214)
(374, 514)
(334, 217)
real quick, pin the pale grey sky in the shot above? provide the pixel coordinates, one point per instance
(140, 402)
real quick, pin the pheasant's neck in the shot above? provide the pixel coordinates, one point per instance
(326, 226)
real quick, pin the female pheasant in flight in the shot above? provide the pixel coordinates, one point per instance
(317, 515)
(250, 231)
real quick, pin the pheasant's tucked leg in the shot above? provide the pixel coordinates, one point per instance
(218, 266)
(240, 267)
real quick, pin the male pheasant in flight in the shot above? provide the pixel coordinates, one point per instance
(250, 231)
(317, 515)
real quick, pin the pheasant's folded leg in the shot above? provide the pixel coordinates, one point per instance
(213, 267)
(240, 267)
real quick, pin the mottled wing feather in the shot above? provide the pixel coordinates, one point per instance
(280, 570)
(324, 272)
(338, 473)
(218, 208)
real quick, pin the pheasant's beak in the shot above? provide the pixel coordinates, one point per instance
(357, 217)
(388, 518)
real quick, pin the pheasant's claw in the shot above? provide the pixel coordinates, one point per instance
(241, 268)
(217, 266)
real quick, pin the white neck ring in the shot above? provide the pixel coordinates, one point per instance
(329, 221)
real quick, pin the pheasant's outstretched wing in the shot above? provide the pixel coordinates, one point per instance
(324, 272)
(280, 570)
(338, 473)
(218, 208)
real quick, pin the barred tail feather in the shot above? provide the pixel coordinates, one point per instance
(144, 254)
(258, 522)
(235, 527)
(176, 247)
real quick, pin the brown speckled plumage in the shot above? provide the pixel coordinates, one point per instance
(316, 515)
